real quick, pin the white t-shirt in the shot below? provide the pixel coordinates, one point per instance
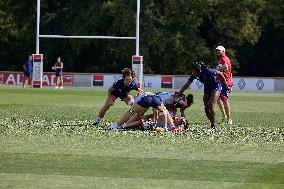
(167, 97)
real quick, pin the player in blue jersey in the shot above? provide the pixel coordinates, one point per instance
(142, 103)
(28, 66)
(212, 87)
(120, 89)
(58, 67)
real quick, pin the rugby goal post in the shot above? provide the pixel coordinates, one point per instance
(136, 65)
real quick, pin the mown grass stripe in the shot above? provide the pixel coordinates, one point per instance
(147, 168)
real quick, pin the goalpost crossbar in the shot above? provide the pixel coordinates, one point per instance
(84, 37)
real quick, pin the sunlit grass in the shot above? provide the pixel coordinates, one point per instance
(46, 137)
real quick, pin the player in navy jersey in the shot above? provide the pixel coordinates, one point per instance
(212, 87)
(120, 89)
(58, 67)
(28, 66)
(142, 103)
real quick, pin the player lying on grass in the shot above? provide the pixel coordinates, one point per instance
(142, 103)
(147, 123)
(120, 89)
(212, 87)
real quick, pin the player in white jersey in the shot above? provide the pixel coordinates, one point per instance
(172, 101)
(169, 97)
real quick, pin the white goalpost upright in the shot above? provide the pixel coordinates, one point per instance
(137, 60)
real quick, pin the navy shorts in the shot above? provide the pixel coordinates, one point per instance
(150, 101)
(58, 73)
(209, 88)
(27, 74)
(119, 94)
(224, 93)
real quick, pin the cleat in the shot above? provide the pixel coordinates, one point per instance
(230, 122)
(98, 120)
(61, 87)
(114, 127)
(211, 130)
(56, 87)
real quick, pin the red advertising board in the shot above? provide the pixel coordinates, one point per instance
(167, 82)
(48, 79)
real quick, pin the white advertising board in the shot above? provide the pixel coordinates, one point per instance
(243, 84)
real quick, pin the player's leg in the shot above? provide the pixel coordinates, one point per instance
(56, 80)
(212, 101)
(61, 81)
(25, 81)
(223, 95)
(222, 109)
(108, 103)
(206, 98)
(227, 110)
(135, 109)
(133, 121)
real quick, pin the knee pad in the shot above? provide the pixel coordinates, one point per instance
(131, 102)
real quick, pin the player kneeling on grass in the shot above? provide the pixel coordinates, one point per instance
(212, 87)
(120, 89)
(147, 123)
(142, 103)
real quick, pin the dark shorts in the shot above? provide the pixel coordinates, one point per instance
(224, 93)
(27, 74)
(119, 94)
(58, 73)
(209, 88)
(150, 101)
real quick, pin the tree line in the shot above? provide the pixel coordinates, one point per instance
(173, 34)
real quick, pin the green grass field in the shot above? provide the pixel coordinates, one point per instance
(46, 141)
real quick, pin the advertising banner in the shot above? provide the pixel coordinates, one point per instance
(48, 79)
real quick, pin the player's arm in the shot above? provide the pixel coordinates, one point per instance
(185, 86)
(61, 65)
(155, 117)
(54, 66)
(139, 90)
(182, 114)
(222, 68)
(223, 79)
(164, 113)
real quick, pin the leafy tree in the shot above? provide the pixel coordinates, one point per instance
(174, 33)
